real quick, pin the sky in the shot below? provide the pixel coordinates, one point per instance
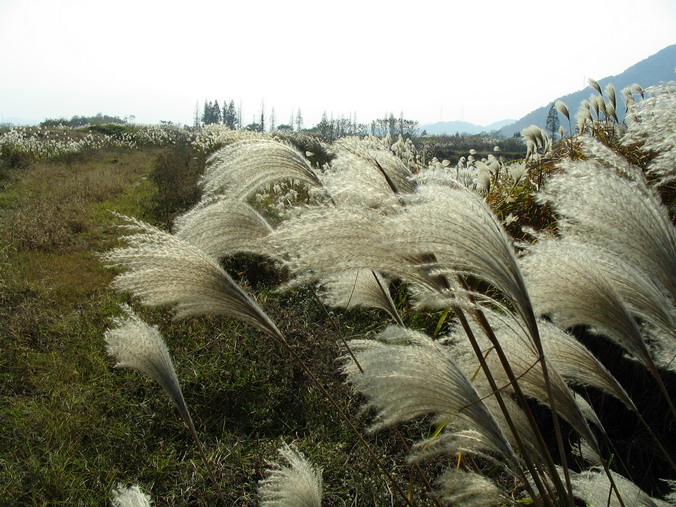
(478, 61)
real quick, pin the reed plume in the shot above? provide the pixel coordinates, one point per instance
(239, 169)
(650, 128)
(134, 344)
(381, 161)
(222, 226)
(600, 208)
(359, 288)
(131, 496)
(566, 284)
(161, 269)
(469, 489)
(407, 375)
(593, 487)
(298, 484)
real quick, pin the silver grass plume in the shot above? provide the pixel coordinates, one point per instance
(352, 180)
(161, 269)
(629, 99)
(593, 149)
(358, 288)
(577, 365)
(222, 226)
(595, 84)
(650, 127)
(598, 105)
(464, 488)
(522, 356)
(565, 283)
(299, 484)
(517, 172)
(131, 496)
(598, 207)
(389, 167)
(644, 298)
(612, 99)
(584, 451)
(327, 241)
(537, 142)
(464, 235)
(583, 116)
(593, 487)
(407, 375)
(239, 169)
(562, 108)
(134, 344)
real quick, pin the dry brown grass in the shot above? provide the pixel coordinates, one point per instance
(52, 207)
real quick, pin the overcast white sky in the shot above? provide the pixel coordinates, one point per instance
(478, 60)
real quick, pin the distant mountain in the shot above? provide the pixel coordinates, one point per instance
(656, 69)
(461, 127)
(13, 120)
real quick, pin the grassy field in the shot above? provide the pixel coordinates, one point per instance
(72, 426)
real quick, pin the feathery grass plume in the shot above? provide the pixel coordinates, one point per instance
(483, 179)
(523, 358)
(538, 142)
(593, 149)
(598, 105)
(239, 169)
(562, 108)
(299, 484)
(650, 127)
(611, 113)
(458, 227)
(598, 207)
(358, 288)
(584, 451)
(131, 496)
(134, 344)
(629, 99)
(593, 487)
(517, 172)
(567, 284)
(384, 162)
(326, 241)
(222, 226)
(161, 269)
(583, 116)
(612, 99)
(465, 488)
(407, 375)
(352, 180)
(643, 296)
(577, 365)
(595, 84)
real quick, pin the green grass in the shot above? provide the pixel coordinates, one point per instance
(72, 426)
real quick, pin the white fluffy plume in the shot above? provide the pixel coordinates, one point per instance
(242, 167)
(134, 344)
(296, 484)
(224, 226)
(407, 375)
(161, 269)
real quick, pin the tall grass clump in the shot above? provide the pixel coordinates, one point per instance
(496, 404)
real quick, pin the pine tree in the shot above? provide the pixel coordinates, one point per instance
(216, 112)
(552, 124)
(299, 121)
